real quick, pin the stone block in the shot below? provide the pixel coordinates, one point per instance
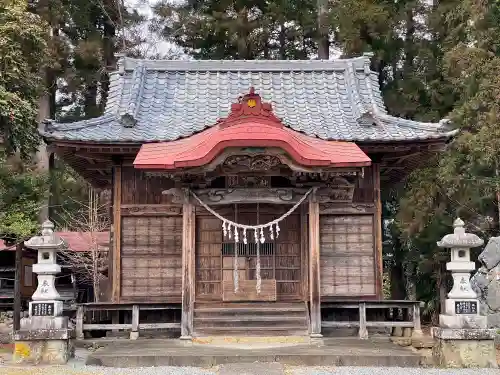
(401, 341)
(464, 348)
(43, 334)
(44, 322)
(465, 353)
(397, 332)
(407, 332)
(463, 321)
(422, 342)
(47, 352)
(462, 334)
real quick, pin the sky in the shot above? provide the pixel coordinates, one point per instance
(154, 45)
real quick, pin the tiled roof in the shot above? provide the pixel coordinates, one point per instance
(166, 100)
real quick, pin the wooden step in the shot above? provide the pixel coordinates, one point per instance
(253, 322)
(253, 319)
(248, 311)
(251, 331)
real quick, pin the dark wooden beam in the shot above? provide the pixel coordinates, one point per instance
(92, 157)
(314, 267)
(212, 197)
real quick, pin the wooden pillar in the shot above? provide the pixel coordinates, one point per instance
(363, 331)
(378, 231)
(188, 275)
(314, 267)
(134, 335)
(116, 271)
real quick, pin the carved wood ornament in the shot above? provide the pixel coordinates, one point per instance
(254, 163)
(250, 106)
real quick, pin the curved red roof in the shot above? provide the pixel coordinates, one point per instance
(250, 124)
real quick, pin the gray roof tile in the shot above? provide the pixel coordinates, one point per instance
(336, 100)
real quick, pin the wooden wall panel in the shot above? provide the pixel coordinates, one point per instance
(137, 188)
(347, 256)
(151, 258)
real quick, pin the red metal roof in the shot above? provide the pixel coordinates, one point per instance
(250, 124)
(76, 241)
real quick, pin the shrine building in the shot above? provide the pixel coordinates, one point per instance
(246, 186)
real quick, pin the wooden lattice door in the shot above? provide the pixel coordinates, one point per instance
(280, 258)
(208, 258)
(288, 259)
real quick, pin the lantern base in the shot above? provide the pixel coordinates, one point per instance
(464, 347)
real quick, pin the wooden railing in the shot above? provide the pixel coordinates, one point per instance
(134, 326)
(411, 318)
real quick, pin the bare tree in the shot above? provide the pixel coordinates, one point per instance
(89, 262)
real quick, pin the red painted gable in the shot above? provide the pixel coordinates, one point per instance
(250, 124)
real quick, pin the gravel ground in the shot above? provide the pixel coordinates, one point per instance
(84, 370)
(386, 371)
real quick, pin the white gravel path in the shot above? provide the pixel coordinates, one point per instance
(90, 370)
(386, 371)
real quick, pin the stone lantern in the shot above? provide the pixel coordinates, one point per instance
(44, 336)
(462, 339)
(462, 306)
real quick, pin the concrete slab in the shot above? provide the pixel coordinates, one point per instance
(333, 352)
(252, 369)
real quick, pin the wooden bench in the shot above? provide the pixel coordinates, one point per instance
(412, 322)
(135, 326)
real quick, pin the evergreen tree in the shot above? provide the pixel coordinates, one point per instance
(240, 29)
(23, 54)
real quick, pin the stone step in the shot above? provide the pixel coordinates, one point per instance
(334, 352)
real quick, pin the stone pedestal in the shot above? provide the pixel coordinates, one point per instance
(43, 346)
(462, 339)
(44, 337)
(464, 347)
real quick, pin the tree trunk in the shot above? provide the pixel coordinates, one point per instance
(282, 40)
(397, 282)
(42, 158)
(441, 292)
(90, 96)
(108, 61)
(17, 286)
(323, 30)
(409, 41)
(410, 285)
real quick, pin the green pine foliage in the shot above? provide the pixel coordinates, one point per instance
(23, 52)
